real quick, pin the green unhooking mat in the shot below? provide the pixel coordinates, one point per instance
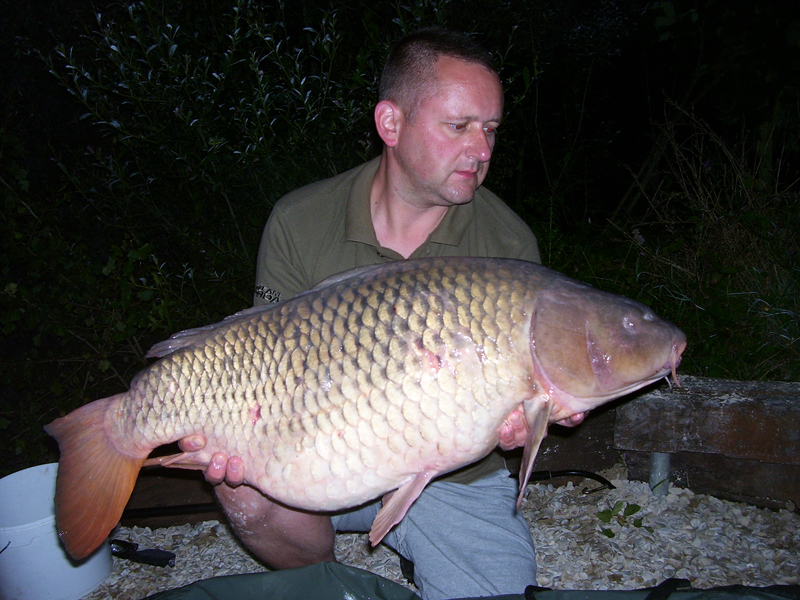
(333, 581)
(323, 581)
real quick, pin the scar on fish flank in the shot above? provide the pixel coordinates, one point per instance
(255, 413)
(434, 360)
(431, 359)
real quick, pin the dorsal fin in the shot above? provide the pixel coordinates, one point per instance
(344, 276)
(189, 337)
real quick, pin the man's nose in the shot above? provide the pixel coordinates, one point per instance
(480, 146)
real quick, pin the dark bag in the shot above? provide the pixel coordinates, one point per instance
(670, 589)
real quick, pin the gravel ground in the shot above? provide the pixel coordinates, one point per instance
(709, 541)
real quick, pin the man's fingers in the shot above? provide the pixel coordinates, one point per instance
(574, 420)
(234, 475)
(215, 473)
(514, 431)
(221, 468)
(192, 443)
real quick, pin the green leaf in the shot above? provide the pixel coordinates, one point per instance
(632, 509)
(109, 268)
(604, 516)
(142, 253)
(608, 533)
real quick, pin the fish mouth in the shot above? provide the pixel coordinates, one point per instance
(673, 362)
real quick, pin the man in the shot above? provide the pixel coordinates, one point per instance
(440, 104)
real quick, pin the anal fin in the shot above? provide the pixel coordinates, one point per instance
(396, 505)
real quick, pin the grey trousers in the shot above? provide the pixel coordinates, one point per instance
(464, 540)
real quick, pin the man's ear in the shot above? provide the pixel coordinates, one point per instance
(388, 120)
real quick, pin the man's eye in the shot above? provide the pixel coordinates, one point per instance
(490, 130)
(458, 126)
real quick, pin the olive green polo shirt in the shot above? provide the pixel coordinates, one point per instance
(325, 228)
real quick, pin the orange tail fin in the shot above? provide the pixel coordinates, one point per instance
(95, 479)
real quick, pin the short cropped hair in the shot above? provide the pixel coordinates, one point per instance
(409, 76)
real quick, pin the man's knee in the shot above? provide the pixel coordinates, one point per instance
(279, 536)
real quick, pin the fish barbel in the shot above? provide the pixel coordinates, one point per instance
(378, 379)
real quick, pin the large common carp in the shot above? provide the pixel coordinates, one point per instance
(376, 380)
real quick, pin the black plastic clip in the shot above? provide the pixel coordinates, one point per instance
(151, 556)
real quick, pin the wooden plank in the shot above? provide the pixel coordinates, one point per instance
(159, 487)
(740, 419)
(761, 484)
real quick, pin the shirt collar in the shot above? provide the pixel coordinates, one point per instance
(358, 220)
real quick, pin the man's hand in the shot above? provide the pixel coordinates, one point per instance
(574, 420)
(220, 468)
(514, 431)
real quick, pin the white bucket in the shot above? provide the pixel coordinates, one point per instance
(33, 563)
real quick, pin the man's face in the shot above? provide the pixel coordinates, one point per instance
(444, 151)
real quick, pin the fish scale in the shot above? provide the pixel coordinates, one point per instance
(376, 380)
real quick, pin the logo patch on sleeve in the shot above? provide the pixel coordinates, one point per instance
(267, 294)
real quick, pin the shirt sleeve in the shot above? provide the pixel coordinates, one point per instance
(530, 250)
(279, 271)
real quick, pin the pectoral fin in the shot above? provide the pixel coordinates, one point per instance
(537, 413)
(184, 460)
(396, 505)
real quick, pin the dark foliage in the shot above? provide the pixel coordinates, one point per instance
(652, 148)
